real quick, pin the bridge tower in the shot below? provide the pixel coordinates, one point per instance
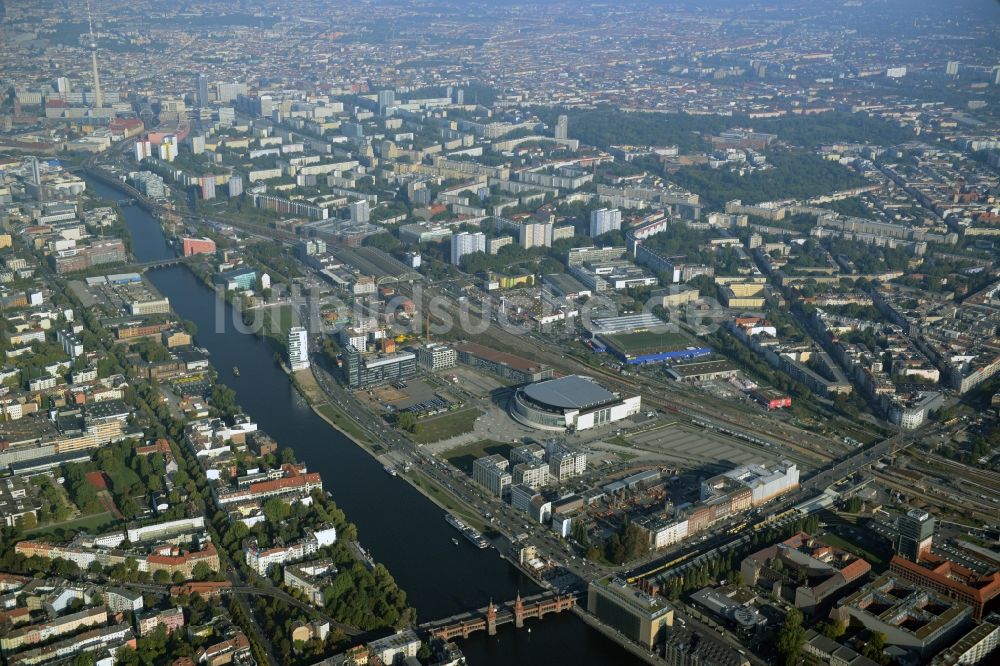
(491, 619)
(518, 611)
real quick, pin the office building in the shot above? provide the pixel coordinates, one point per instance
(466, 243)
(436, 357)
(950, 579)
(565, 464)
(191, 246)
(364, 371)
(604, 220)
(492, 472)
(803, 570)
(533, 475)
(506, 366)
(915, 534)
(298, 348)
(909, 616)
(562, 127)
(202, 90)
(639, 616)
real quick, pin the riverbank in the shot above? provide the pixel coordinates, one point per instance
(396, 522)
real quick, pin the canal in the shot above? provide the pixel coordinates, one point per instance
(400, 527)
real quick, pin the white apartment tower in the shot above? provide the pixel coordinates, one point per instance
(466, 243)
(298, 348)
(604, 220)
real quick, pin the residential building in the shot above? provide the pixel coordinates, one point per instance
(298, 348)
(466, 243)
(604, 220)
(310, 578)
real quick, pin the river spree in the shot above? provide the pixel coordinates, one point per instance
(400, 527)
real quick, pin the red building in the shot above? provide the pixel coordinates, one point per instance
(771, 399)
(198, 246)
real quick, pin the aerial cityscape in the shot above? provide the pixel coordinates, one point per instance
(442, 332)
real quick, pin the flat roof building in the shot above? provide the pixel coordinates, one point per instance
(573, 402)
(639, 616)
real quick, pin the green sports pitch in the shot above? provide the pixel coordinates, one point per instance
(647, 342)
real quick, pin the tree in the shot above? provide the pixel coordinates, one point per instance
(833, 629)
(407, 421)
(791, 637)
(161, 577)
(201, 571)
(874, 649)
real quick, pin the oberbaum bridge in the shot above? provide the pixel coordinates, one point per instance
(492, 616)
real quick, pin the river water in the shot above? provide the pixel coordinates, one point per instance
(400, 527)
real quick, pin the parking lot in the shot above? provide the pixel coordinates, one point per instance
(694, 447)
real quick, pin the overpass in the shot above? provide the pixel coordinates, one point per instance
(492, 616)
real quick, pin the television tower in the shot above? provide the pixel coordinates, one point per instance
(98, 98)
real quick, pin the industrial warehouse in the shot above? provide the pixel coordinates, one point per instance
(570, 403)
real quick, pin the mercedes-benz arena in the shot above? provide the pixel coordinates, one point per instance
(570, 403)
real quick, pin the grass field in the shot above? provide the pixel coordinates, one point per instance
(343, 421)
(122, 477)
(94, 523)
(447, 425)
(446, 499)
(647, 342)
(463, 456)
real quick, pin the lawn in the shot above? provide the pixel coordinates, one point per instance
(94, 523)
(122, 477)
(344, 422)
(443, 497)
(448, 425)
(463, 456)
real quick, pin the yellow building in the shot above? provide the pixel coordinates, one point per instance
(743, 295)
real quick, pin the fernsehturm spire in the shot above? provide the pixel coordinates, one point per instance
(98, 98)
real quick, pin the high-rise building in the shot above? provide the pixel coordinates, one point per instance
(298, 348)
(535, 234)
(208, 187)
(168, 148)
(915, 534)
(466, 243)
(228, 92)
(604, 220)
(235, 186)
(202, 90)
(951, 69)
(386, 100)
(360, 211)
(460, 97)
(62, 85)
(562, 127)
